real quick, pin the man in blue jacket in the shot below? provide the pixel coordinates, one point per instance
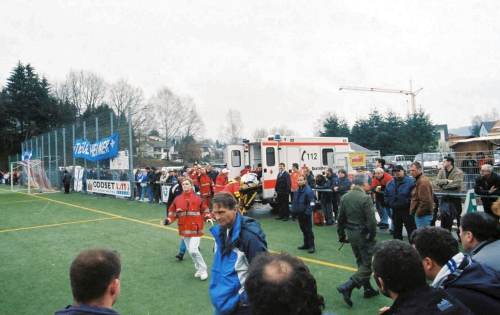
(302, 206)
(397, 196)
(477, 286)
(238, 240)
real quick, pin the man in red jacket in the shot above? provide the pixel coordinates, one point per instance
(221, 181)
(380, 180)
(206, 187)
(191, 212)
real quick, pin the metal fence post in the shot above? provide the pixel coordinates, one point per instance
(50, 155)
(73, 143)
(37, 149)
(64, 145)
(111, 121)
(56, 151)
(84, 137)
(42, 151)
(97, 139)
(131, 156)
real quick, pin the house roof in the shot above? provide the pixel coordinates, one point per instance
(358, 148)
(493, 138)
(488, 125)
(155, 143)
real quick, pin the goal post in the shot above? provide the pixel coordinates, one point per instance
(29, 175)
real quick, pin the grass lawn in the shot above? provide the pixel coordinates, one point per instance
(41, 234)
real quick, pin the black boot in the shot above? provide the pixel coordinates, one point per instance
(346, 289)
(179, 257)
(368, 290)
(303, 247)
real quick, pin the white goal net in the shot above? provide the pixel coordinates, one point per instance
(30, 176)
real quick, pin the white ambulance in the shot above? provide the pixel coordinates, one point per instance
(318, 153)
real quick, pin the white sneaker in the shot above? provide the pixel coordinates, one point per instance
(197, 274)
(203, 276)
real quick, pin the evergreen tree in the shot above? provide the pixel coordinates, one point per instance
(334, 126)
(28, 108)
(392, 134)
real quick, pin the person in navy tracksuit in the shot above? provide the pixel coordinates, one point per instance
(238, 240)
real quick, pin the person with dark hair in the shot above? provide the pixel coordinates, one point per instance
(399, 275)
(380, 163)
(302, 207)
(422, 200)
(238, 240)
(379, 182)
(397, 196)
(357, 226)
(280, 284)
(283, 193)
(479, 233)
(95, 283)
(327, 196)
(488, 187)
(450, 179)
(474, 284)
(344, 184)
(66, 181)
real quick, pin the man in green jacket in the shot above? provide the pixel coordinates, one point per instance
(357, 225)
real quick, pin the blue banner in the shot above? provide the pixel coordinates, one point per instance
(101, 150)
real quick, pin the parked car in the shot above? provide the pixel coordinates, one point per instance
(399, 159)
(432, 161)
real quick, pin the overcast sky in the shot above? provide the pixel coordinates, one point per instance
(278, 62)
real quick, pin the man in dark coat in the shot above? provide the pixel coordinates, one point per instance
(283, 193)
(400, 276)
(66, 181)
(488, 186)
(477, 286)
(397, 196)
(302, 207)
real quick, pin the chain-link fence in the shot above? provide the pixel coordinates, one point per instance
(469, 162)
(55, 149)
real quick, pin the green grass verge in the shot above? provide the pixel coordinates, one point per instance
(35, 262)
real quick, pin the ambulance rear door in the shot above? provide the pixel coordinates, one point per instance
(270, 161)
(235, 155)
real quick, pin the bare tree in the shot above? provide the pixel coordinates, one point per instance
(124, 97)
(93, 88)
(170, 114)
(193, 125)
(83, 89)
(233, 126)
(282, 130)
(260, 133)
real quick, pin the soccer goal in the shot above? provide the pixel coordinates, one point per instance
(30, 176)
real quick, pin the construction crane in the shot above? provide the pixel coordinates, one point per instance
(411, 93)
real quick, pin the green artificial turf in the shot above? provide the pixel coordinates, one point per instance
(34, 262)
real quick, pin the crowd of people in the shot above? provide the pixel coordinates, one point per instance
(246, 279)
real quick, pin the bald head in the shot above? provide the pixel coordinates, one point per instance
(277, 271)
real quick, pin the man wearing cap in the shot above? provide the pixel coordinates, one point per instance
(398, 195)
